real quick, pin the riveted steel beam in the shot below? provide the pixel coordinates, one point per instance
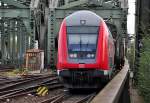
(74, 4)
(104, 13)
(51, 52)
(14, 3)
(13, 13)
(101, 3)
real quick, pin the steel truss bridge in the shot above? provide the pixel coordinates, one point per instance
(24, 21)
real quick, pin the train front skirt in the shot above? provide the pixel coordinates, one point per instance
(83, 78)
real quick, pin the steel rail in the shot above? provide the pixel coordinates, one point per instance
(51, 99)
(60, 99)
(21, 82)
(28, 90)
(83, 100)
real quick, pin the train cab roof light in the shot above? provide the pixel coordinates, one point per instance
(82, 22)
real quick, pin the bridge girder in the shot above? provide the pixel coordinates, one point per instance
(15, 3)
(14, 13)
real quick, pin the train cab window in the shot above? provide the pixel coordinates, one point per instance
(82, 40)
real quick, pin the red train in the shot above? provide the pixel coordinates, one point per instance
(86, 51)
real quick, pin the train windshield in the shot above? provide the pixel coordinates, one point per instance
(83, 42)
(82, 38)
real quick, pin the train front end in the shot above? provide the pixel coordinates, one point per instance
(83, 50)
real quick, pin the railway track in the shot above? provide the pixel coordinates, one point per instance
(70, 98)
(4, 68)
(23, 90)
(79, 98)
(31, 98)
(57, 94)
(12, 88)
(23, 83)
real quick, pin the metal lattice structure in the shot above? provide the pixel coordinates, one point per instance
(15, 30)
(40, 20)
(113, 10)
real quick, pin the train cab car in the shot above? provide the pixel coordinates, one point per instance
(85, 51)
(119, 46)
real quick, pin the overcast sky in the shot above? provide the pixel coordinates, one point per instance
(131, 17)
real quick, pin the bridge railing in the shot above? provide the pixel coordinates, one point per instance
(117, 90)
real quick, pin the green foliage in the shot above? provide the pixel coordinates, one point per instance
(144, 71)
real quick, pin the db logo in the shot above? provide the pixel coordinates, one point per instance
(81, 65)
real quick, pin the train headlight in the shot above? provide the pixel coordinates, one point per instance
(71, 55)
(90, 55)
(75, 56)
